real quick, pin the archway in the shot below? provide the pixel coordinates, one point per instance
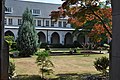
(41, 37)
(68, 39)
(9, 33)
(55, 38)
(81, 38)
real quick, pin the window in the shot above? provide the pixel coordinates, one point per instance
(36, 12)
(47, 23)
(8, 10)
(19, 21)
(52, 23)
(38, 22)
(35, 22)
(64, 24)
(10, 21)
(60, 24)
(5, 21)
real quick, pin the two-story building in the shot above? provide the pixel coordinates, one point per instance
(47, 30)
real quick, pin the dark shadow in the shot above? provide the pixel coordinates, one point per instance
(69, 76)
(84, 76)
(73, 53)
(27, 77)
(12, 56)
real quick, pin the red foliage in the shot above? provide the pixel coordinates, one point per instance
(79, 14)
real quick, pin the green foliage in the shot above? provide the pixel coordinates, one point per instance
(27, 41)
(44, 63)
(101, 64)
(9, 40)
(14, 46)
(11, 69)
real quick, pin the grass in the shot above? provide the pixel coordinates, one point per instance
(75, 63)
(26, 68)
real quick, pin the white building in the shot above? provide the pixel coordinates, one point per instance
(48, 32)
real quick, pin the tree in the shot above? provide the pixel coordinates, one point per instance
(98, 33)
(44, 63)
(82, 12)
(27, 36)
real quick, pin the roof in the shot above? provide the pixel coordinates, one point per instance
(20, 6)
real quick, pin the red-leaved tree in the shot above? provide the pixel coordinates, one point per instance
(80, 12)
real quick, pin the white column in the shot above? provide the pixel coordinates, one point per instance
(62, 36)
(49, 38)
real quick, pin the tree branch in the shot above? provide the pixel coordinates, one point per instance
(102, 22)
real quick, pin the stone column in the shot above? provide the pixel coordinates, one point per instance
(61, 38)
(115, 55)
(49, 37)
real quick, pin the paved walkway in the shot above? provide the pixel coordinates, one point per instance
(98, 51)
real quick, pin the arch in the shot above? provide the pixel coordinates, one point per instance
(68, 39)
(9, 33)
(41, 37)
(55, 38)
(81, 38)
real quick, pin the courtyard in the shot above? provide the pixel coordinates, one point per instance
(65, 66)
(27, 34)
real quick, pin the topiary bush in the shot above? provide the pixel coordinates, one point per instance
(101, 64)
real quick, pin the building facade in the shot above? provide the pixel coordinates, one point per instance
(48, 31)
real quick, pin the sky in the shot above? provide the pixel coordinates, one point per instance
(49, 1)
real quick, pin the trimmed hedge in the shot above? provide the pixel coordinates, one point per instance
(74, 45)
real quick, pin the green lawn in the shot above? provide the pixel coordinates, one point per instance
(64, 64)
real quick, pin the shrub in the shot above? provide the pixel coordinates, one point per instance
(14, 46)
(9, 40)
(11, 69)
(44, 63)
(101, 64)
(77, 44)
(56, 45)
(47, 47)
(43, 45)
